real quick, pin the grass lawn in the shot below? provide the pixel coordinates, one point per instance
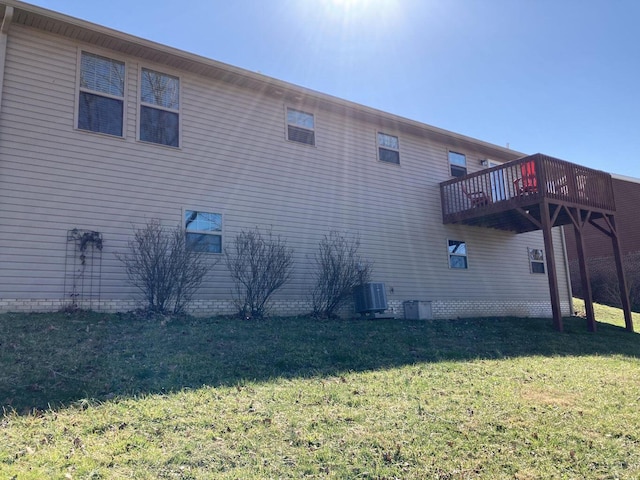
(112, 396)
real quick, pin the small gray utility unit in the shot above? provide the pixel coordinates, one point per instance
(417, 310)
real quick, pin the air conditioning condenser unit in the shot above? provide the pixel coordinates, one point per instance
(370, 298)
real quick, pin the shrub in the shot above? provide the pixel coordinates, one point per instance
(161, 266)
(339, 268)
(259, 265)
(604, 280)
(606, 288)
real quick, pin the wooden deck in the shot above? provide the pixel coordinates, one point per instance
(509, 196)
(538, 193)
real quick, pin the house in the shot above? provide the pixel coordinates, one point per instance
(600, 255)
(101, 131)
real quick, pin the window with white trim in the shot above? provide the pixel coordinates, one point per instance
(159, 108)
(458, 254)
(388, 148)
(458, 164)
(300, 127)
(536, 260)
(203, 231)
(101, 94)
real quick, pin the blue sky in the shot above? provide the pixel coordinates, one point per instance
(560, 77)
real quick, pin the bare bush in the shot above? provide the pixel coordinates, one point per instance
(259, 264)
(604, 280)
(161, 266)
(606, 288)
(339, 268)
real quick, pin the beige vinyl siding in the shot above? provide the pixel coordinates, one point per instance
(234, 159)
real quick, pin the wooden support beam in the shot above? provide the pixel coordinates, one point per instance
(584, 274)
(575, 218)
(528, 216)
(622, 281)
(558, 209)
(554, 292)
(602, 229)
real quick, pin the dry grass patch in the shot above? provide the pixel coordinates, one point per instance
(548, 397)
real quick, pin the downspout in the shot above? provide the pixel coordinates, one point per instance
(567, 270)
(4, 30)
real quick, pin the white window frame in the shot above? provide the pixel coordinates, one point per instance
(451, 254)
(80, 89)
(536, 255)
(218, 233)
(302, 128)
(453, 165)
(389, 148)
(155, 106)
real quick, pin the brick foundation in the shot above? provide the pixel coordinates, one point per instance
(492, 308)
(442, 309)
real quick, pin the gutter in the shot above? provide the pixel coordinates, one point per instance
(625, 178)
(4, 31)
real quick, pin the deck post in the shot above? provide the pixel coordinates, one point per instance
(545, 217)
(622, 281)
(584, 274)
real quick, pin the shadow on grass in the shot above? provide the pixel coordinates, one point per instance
(51, 360)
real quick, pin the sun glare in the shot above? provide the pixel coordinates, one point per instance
(359, 8)
(358, 4)
(349, 3)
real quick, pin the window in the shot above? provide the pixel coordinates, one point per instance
(457, 254)
(458, 163)
(536, 260)
(203, 231)
(159, 108)
(101, 94)
(388, 148)
(300, 127)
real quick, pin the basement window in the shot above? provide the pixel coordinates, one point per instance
(159, 108)
(536, 260)
(458, 254)
(458, 164)
(101, 95)
(300, 127)
(388, 148)
(203, 231)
